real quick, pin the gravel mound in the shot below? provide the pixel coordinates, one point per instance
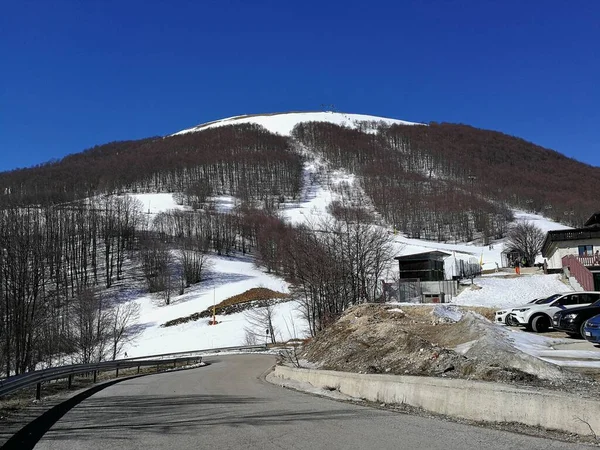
(375, 338)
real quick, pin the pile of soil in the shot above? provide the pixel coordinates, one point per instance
(252, 298)
(421, 340)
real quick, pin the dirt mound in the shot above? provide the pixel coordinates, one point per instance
(252, 298)
(375, 338)
(491, 346)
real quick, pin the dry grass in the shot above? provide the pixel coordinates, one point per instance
(420, 321)
(251, 295)
(227, 306)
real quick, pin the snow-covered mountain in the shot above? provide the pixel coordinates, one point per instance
(284, 123)
(139, 169)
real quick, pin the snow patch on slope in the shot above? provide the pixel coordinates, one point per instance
(513, 291)
(228, 277)
(284, 123)
(541, 222)
(156, 203)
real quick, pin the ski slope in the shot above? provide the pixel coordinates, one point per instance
(284, 123)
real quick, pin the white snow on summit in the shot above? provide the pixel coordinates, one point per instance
(284, 123)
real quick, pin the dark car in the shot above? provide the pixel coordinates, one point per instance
(572, 321)
(591, 330)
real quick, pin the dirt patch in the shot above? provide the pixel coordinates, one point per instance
(252, 298)
(425, 341)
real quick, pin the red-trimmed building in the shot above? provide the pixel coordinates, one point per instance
(576, 252)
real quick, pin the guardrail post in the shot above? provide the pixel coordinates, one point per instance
(174, 364)
(38, 391)
(95, 375)
(156, 367)
(117, 372)
(70, 382)
(138, 368)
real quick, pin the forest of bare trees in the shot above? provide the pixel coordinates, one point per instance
(453, 182)
(332, 264)
(405, 185)
(503, 168)
(245, 161)
(54, 261)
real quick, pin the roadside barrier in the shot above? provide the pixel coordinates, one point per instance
(473, 400)
(37, 377)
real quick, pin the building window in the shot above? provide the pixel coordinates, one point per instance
(586, 250)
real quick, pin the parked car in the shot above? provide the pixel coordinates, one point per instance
(591, 330)
(502, 315)
(572, 321)
(539, 317)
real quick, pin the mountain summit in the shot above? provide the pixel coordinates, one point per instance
(284, 123)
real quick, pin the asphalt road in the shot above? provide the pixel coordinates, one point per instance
(228, 406)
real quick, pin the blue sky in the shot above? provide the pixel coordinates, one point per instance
(80, 73)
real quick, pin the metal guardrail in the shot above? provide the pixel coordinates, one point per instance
(14, 383)
(201, 352)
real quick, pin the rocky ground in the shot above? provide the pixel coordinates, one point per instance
(454, 342)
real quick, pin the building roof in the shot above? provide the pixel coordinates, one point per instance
(423, 256)
(593, 221)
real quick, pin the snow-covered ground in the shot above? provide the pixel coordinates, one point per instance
(318, 191)
(501, 292)
(545, 348)
(556, 350)
(153, 204)
(284, 123)
(541, 222)
(156, 203)
(227, 277)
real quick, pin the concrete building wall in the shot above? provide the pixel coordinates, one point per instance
(565, 248)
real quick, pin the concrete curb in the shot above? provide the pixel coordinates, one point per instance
(472, 400)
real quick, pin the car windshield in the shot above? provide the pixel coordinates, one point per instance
(536, 301)
(596, 303)
(548, 299)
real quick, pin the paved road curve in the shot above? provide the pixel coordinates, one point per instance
(227, 406)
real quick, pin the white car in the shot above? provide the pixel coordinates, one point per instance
(503, 315)
(538, 316)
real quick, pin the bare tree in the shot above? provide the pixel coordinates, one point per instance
(157, 265)
(291, 352)
(249, 337)
(89, 327)
(194, 261)
(121, 326)
(260, 323)
(527, 239)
